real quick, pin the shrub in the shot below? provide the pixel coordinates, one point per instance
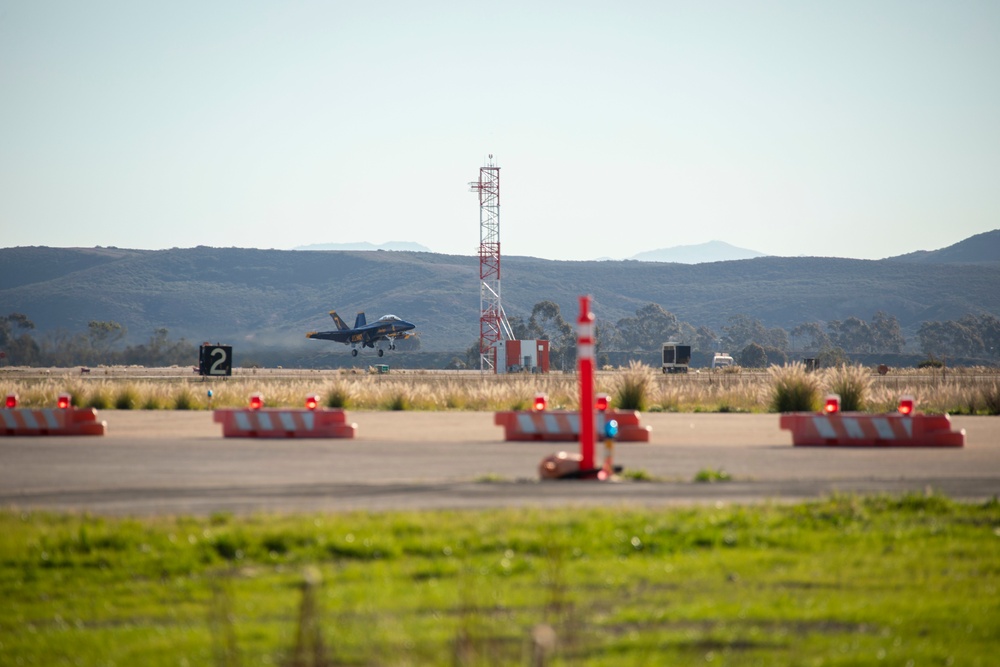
(852, 383)
(184, 400)
(632, 388)
(399, 401)
(127, 398)
(152, 402)
(793, 389)
(991, 398)
(338, 397)
(99, 399)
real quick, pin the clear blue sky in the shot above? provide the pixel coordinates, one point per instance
(849, 128)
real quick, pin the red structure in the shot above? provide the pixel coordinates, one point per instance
(526, 356)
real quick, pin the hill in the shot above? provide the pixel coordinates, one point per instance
(271, 298)
(365, 245)
(713, 251)
(979, 249)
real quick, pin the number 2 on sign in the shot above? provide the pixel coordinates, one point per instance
(214, 370)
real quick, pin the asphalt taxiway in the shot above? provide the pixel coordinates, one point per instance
(175, 462)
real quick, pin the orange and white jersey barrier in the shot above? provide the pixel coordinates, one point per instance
(564, 425)
(883, 430)
(51, 421)
(284, 423)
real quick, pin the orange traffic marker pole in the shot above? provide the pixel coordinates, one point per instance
(585, 363)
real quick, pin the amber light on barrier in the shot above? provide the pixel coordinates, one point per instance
(906, 406)
(539, 403)
(602, 402)
(831, 404)
(256, 401)
(64, 401)
(11, 401)
(312, 401)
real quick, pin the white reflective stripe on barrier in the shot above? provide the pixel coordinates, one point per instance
(50, 417)
(551, 423)
(884, 429)
(824, 428)
(264, 419)
(574, 422)
(853, 428)
(30, 418)
(526, 423)
(242, 421)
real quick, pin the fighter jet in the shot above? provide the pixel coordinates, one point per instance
(387, 327)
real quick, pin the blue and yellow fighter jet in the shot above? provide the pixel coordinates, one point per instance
(387, 327)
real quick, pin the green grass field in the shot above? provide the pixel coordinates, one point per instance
(849, 580)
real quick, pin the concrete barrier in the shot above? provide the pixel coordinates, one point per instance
(854, 429)
(564, 425)
(51, 421)
(284, 423)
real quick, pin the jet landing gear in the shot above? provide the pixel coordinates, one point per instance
(381, 352)
(354, 353)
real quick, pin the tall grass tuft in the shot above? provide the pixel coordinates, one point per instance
(991, 398)
(152, 401)
(339, 396)
(127, 398)
(852, 383)
(793, 389)
(184, 399)
(632, 388)
(99, 398)
(400, 400)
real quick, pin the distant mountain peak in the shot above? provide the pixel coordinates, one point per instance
(365, 245)
(979, 249)
(713, 251)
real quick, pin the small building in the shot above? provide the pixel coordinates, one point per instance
(523, 356)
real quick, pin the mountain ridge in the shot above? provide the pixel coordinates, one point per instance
(269, 298)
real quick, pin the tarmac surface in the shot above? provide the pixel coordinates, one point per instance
(172, 462)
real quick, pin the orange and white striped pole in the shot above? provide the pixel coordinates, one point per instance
(585, 365)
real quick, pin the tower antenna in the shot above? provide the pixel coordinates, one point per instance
(493, 324)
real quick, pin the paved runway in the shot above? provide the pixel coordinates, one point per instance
(178, 463)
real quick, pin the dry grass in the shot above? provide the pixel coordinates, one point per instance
(958, 391)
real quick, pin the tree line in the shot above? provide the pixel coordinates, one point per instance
(97, 345)
(751, 343)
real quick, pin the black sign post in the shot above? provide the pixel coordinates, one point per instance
(215, 360)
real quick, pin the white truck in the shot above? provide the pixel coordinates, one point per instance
(676, 357)
(721, 360)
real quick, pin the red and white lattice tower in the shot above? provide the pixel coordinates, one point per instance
(492, 321)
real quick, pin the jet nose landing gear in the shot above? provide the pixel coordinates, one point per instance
(381, 352)
(354, 353)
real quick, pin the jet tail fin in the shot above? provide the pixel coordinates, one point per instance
(336, 320)
(360, 320)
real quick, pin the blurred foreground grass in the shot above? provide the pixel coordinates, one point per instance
(909, 580)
